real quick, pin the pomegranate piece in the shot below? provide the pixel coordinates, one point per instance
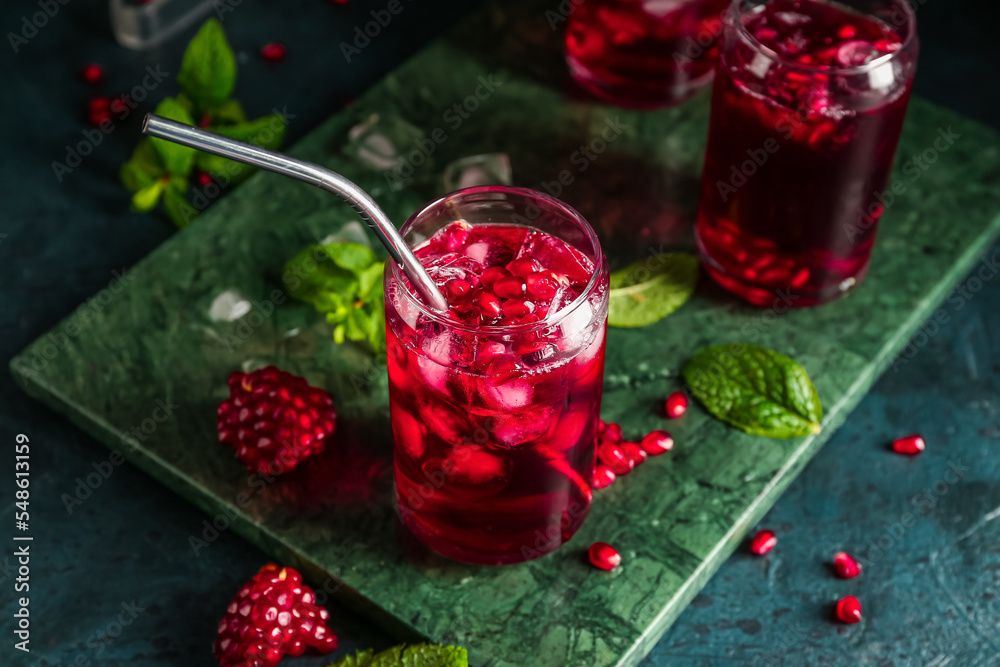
(846, 566)
(92, 73)
(657, 442)
(634, 453)
(510, 287)
(457, 290)
(489, 305)
(272, 615)
(677, 404)
(274, 52)
(604, 556)
(611, 454)
(275, 420)
(911, 445)
(763, 542)
(523, 267)
(612, 432)
(603, 476)
(848, 610)
(491, 275)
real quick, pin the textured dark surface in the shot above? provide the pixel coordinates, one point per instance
(93, 559)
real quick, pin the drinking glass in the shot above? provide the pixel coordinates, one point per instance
(807, 108)
(494, 426)
(643, 53)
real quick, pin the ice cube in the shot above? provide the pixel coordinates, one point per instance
(508, 397)
(229, 306)
(444, 420)
(662, 8)
(514, 429)
(792, 18)
(486, 169)
(382, 141)
(451, 266)
(556, 255)
(471, 471)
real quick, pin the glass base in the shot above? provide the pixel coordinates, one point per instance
(781, 297)
(637, 94)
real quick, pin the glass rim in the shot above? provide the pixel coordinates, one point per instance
(734, 12)
(527, 193)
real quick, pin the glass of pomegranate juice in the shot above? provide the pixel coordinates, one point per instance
(806, 113)
(643, 53)
(494, 404)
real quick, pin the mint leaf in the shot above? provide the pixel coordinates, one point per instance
(418, 655)
(230, 113)
(143, 168)
(208, 70)
(177, 159)
(755, 389)
(343, 281)
(266, 132)
(178, 208)
(145, 200)
(648, 290)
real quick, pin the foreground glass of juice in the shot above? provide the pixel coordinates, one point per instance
(643, 53)
(494, 405)
(806, 114)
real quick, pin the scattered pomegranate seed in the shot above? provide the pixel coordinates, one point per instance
(657, 442)
(204, 178)
(634, 453)
(92, 73)
(603, 476)
(846, 566)
(911, 445)
(612, 432)
(206, 121)
(274, 52)
(523, 267)
(95, 104)
(763, 542)
(849, 610)
(677, 404)
(604, 556)
(611, 454)
(510, 287)
(457, 289)
(491, 275)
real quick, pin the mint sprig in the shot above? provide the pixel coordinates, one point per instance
(343, 281)
(755, 389)
(418, 655)
(650, 289)
(160, 170)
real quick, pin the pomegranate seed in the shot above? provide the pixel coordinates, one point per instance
(97, 118)
(92, 73)
(491, 275)
(847, 567)
(657, 442)
(911, 445)
(612, 432)
(611, 455)
(677, 404)
(523, 267)
(457, 289)
(518, 308)
(206, 121)
(604, 556)
(511, 287)
(274, 52)
(849, 610)
(95, 104)
(763, 542)
(489, 305)
(541, 285)
(603, 476)
(634, 452)
(204, 178)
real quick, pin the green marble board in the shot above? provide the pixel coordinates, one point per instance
(163, 340)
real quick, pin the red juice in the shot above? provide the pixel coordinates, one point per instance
(494, 408)
(644, 53)
(807, 109)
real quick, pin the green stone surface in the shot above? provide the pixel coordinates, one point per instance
(674, 521)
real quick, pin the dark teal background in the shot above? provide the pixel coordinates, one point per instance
(931, 591)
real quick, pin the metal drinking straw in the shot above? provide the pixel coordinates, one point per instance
(307, 172)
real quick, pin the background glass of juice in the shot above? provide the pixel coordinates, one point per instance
(807, 109)
(643, 53)
(494, 405)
